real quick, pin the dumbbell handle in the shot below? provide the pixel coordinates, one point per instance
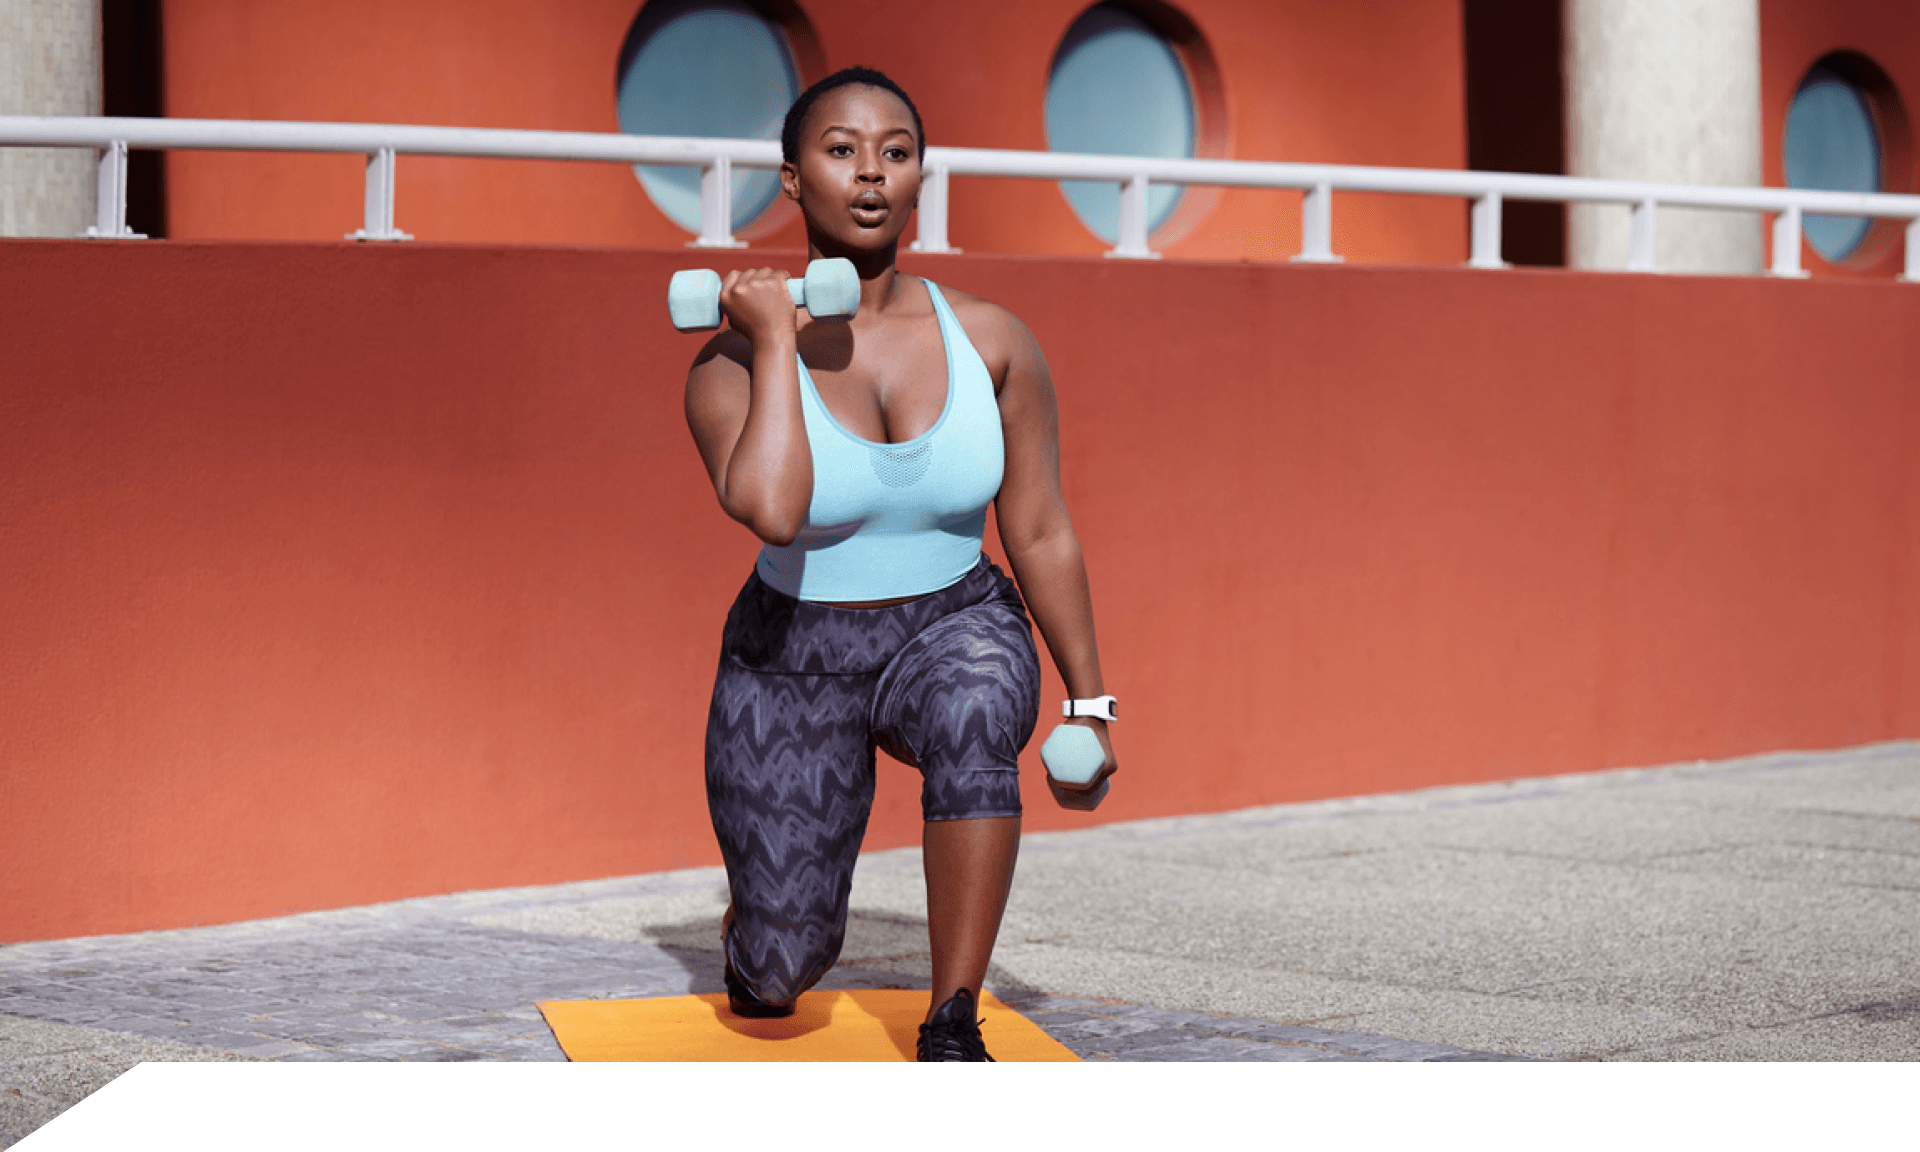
(829, 291)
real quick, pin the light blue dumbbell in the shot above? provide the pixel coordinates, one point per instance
(1073, 755)
(831, 291)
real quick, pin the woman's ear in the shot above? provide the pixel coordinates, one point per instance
(790, 181)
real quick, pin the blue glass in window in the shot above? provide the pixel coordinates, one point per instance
(1118, 89)
(706, 69)
(1832, 143)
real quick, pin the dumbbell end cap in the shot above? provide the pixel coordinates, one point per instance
(1072, 754)
(832, 289)
(693, 299)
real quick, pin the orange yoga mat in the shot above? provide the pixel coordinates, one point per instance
(861, 1024)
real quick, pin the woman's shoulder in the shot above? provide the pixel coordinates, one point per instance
(996, 333)
(725, 353)
(965, 304)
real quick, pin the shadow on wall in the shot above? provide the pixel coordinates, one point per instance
(1515, 119)
(132, 53)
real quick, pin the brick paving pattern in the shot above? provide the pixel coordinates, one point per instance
(417, 980)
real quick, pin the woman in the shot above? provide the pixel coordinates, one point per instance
(863, 455)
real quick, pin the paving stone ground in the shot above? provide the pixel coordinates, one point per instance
(1766, 908)
(437, 979)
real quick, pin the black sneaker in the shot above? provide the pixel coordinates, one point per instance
(741, 999)
(953, 1033)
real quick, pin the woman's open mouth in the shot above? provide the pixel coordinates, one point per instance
(869, 210)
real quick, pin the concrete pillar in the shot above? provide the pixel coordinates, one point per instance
(1665, 90)
(49, 66)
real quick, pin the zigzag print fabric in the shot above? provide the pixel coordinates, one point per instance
(949, 682)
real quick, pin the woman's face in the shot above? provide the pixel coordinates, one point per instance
(857, 174)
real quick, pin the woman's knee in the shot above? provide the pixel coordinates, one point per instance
(781, 956)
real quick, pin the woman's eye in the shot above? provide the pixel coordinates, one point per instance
(896, 154)
(842, 150)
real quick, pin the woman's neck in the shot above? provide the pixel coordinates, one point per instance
(879, 279)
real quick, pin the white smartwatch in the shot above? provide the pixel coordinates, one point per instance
(1100, 708)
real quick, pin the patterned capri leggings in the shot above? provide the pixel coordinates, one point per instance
(949, 682)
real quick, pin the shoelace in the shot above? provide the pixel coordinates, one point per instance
(953, 1040)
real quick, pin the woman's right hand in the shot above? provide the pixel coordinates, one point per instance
(757, 303)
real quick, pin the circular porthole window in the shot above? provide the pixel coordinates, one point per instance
(706, 68)
(1118, 87)
(1847, 131)
(1833, 142)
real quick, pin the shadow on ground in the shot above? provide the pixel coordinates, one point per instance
(881, 950)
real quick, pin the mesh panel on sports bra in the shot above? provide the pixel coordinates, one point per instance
(899, 467)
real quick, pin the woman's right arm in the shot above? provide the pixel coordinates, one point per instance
(743, 406)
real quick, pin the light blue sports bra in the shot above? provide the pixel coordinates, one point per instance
(892, 520)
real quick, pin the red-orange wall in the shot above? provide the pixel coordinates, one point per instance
(1794, 35)
(1360, 82)
(338, 574)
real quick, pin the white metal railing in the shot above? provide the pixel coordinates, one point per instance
(716, 159)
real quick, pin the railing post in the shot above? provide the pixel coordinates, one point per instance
(1486, 233)
(379, 208)
(716, 206)
(1316, 227)
(931, 234)
(1786, 243)
(1640, 238)
(1133, 222)
(110, 199)
(1912, 274)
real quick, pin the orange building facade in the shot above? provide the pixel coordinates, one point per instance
(1372, 82)
(343, 573)
(1268, 75)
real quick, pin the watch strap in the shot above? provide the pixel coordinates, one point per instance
(1098, 707)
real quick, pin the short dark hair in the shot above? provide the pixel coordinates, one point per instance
(797, 115)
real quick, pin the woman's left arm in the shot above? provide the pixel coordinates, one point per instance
(1038, 534)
